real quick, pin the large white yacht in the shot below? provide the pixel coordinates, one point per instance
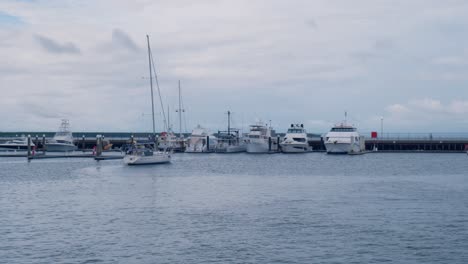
(261, 139)
(62, 140)
(16, 144)
(343, 139)
(201, 140)
(295, 140)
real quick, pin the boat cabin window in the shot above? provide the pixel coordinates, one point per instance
(254, 136)
(299, 139)
(343, 129)
(293, 130)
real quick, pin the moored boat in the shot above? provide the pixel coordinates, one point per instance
(261, 139)
(62, 140)
(295, 140)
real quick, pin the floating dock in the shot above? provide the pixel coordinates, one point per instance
(402, 143)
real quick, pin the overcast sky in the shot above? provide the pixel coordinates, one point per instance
(285, 61)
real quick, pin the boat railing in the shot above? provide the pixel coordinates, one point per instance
(417, 136)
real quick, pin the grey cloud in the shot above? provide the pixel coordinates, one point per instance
(54, 46)
(312, 23)
(122, 39)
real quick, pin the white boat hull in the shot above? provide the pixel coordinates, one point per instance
(257, 148)
(157, 158)
(342, 148)
(14, 147)
(294, 148)
(58, 147)
(198, 149)
(231, 149)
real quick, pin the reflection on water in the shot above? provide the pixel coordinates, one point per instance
(240, 208)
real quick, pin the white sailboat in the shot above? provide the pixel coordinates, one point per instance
(169, 140)
(141, 154)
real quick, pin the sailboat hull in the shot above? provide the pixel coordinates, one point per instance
(146, 160)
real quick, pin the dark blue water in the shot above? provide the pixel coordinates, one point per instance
(312, 208)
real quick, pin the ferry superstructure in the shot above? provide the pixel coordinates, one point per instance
(343, 139)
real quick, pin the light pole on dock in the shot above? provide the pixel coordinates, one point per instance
(381, 126)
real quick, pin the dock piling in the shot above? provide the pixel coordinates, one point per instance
(43, 144)
(29, 146)
(278, 144)
(98, 145)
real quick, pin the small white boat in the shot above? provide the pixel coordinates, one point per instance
(141, 154)
(62, 140)
(295, 140)
(201, 141)
(261, 139)
(16, 144)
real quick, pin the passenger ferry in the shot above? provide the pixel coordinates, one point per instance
(343, 139)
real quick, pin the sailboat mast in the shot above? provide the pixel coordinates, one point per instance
(229, 122)
(180, 114)
(151, 85)
(168, 120)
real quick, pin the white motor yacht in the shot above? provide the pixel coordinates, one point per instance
(295, 140)
(261, 139)
(62, 140)
(16, 144)
(141, 154)
(343, 139)
(201, 141)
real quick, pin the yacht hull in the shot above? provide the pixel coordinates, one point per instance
(146, 160)
(13, 147)
(294, 148)
(198, 149)
(341, 148)
(258, 148)
(231, 149)
(57, 147)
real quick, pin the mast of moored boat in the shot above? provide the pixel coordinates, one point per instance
(229, 122)
(151, 85)
(180, 112)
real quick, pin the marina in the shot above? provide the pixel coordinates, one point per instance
(396, 143)
(221, 138)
